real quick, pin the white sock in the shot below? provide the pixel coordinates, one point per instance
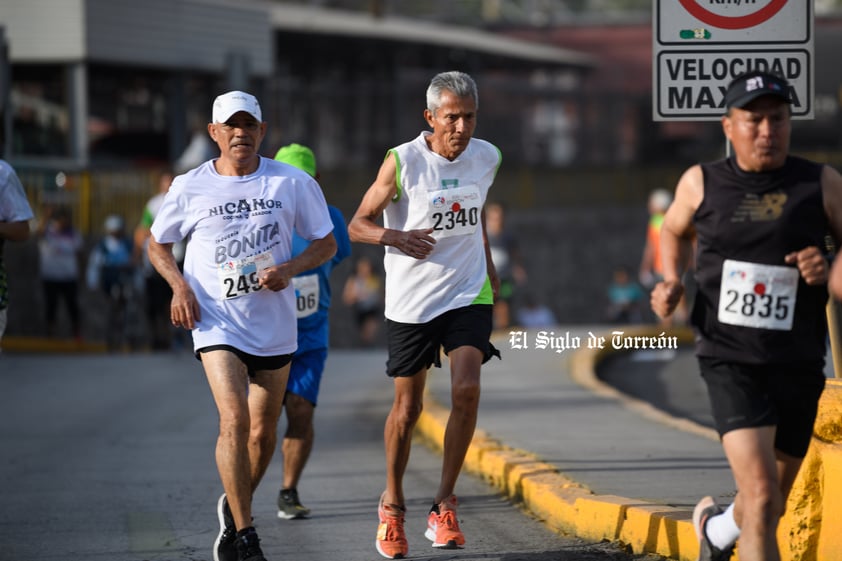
(722, 529)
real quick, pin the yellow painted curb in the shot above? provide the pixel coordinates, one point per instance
(569, 507)
(563, 504)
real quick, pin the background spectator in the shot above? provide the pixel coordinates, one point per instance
(15, 214)
(60, 252)
(507, 261)
(626, 299)
(532, 313)
(157, 293)
(364, 294)
(110, 271)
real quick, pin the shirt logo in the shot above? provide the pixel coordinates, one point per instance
(754, 208)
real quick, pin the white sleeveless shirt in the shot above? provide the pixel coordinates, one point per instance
(434, 192)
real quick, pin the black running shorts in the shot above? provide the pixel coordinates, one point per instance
(416, 346)
(253, 362)
(757, 395)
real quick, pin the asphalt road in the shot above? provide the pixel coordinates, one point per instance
(669, 380)
(110, 457)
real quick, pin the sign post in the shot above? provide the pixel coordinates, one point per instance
(699, 46)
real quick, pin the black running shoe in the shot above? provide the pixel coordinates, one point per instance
(248, 547)
(224, 548)
(289, 507)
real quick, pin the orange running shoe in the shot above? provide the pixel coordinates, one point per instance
(391, 537)
(443, 526)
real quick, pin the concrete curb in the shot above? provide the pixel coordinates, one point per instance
(565, 505)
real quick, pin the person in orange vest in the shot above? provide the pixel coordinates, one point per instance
(651, 265)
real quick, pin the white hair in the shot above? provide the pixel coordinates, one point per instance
(458, 83)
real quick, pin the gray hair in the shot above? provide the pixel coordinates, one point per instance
(458, 83)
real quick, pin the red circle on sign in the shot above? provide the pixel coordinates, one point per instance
(726, 22)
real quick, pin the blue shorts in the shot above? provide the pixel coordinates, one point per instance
(305, 374)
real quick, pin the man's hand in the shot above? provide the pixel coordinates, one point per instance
(811, 264)
(416, 243)
(184, 309)
(665, 297)
(275, 278)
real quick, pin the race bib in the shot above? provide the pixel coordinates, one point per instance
(240, 277)
(755, 295)
(454, 212)
(306, 295)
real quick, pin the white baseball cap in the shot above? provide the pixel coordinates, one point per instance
(113, 223)
(225, 105)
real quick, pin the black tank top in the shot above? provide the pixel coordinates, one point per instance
(758, 218)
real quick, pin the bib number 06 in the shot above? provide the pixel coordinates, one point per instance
(306, 295)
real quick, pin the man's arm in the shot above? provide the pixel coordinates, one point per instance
(15, 211)
(491, 268)
(811, 261)
(835, 283)
(340, 234)
(317, 252)
(677, 233)
(832, 195)
(15, 231)
(363, 227)
(184, 310)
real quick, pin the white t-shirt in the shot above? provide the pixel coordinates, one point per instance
(236, 226)
(14, 207)
(434, 192)
(59, 254)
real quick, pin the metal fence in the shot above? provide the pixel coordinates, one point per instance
(91, 195)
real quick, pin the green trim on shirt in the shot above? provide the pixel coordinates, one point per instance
(486, 295)
(147, 219)
(398, 188)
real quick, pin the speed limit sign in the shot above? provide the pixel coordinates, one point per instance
(701, 45)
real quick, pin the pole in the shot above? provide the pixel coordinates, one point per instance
(834, 331)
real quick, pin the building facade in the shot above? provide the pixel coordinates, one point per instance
(111, 82)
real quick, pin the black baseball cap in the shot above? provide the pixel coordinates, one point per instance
(747, 87)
